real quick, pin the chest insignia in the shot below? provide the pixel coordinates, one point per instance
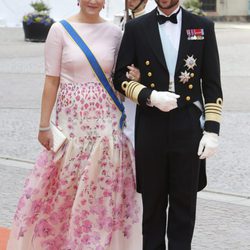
(195, 34)
(184, 77)
(190, 62)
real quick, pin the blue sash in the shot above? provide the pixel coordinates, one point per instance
(96, 68)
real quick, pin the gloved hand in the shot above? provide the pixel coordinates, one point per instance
(164, 100)
(208, 145)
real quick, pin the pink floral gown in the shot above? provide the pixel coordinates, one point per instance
(86, 200)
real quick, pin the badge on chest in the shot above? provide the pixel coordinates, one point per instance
(195, 34)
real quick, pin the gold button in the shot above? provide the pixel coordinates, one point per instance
(192, 74)
(149, 74)
(190, 86)
(188, 98)
(147, 63)
(152, 85)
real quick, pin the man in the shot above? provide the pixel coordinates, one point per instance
(176, 53)
(134, 8)
(137, 8)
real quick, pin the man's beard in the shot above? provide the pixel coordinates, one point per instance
(172, 4)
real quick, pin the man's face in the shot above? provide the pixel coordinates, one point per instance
(167, 4)
(133, 3)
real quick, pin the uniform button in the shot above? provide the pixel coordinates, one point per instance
(147, 63)
(152, 85)
(149, 74)
(190, 86)
(192, 74)
(188, 98)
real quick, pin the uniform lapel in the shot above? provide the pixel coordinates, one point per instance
(183, 40)
(153, 36)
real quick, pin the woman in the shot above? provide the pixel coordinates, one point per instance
(83, 197)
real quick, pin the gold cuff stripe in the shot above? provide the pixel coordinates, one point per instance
(213, 107)
(132, 89)
(218, 103)
(213, 117)
(218, 113)
(216, 107)
(136, 92)
(213, 104)
(207, 113)
(213, 111)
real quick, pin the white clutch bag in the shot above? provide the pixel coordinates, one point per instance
(58, 137)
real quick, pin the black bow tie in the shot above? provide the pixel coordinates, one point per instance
(162, 19)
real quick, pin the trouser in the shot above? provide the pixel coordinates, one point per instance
(168, 176)
(171, 197)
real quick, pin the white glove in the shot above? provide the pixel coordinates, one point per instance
(208, 145)
(164, 100)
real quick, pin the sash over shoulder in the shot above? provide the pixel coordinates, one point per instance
(95, 66)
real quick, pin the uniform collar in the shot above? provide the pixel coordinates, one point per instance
(139, 13)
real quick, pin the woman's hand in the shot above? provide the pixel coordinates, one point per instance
(46, 139)
(133, 73)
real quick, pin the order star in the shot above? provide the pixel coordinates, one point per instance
(190, 62)
(184, 77)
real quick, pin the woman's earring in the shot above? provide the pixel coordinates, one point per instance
(78, 3)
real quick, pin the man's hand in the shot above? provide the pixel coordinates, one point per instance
(163, 100)
(208, 145)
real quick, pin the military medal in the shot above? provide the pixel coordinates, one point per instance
(190, 62)
(195, 34)
(184, 77)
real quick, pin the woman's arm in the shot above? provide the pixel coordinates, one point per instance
(48, 101)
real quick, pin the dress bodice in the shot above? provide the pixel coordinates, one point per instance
(64, 58)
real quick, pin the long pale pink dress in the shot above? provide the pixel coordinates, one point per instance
(86, 200)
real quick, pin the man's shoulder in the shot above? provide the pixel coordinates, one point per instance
(202, 20)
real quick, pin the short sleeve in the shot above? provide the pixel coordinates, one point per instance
(53, 51)
(118, 39)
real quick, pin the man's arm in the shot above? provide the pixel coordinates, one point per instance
(127, 56)
(211, 82)
(212, 92)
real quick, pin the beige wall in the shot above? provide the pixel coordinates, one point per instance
(232, 7)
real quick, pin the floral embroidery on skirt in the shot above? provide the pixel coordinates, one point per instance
(86, 197)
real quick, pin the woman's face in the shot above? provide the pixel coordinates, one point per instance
(91, 7)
